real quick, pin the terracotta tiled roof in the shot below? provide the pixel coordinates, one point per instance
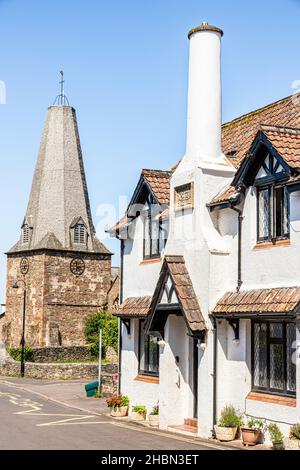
(159, 182)
(225, 195)
(175, 266)
(286, 141)
(134, 307)
(279, 300)
(240, 133)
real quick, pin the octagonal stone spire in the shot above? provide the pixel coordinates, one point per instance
(59, 197)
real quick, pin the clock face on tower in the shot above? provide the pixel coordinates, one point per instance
(77, 266)
(24, 266)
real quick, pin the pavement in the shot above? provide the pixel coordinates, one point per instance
(46, 415)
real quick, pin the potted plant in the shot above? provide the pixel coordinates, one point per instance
(230, 420)
(251, 432)
(139, 412)
(293, 441)
(276, 436)
(154, 416)
(118, 405)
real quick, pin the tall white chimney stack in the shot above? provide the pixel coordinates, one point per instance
(204, 96)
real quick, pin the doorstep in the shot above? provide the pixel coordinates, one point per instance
(184, 429)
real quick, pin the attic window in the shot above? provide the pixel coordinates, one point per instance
(25, 233)
(80, 234)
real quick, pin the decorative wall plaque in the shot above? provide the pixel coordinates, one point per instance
(184, 196)
(77, 266)
(24, 266)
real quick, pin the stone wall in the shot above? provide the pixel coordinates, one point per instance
(62, 353)
(55, 371)
(58, 302)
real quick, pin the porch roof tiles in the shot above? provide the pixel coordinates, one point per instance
(278, 300)
(134, 307)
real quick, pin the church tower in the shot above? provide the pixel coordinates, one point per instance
(65, 269)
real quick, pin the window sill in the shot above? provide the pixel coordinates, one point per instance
(147, 379)
(260, 246)
(269, 398)
(150, 261)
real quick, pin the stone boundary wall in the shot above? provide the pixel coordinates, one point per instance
(62, 353)
(56, 371)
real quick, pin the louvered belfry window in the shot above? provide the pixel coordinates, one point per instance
(79, 234)
(25, 233)
(273, 357)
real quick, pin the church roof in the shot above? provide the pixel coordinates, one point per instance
(59, 194)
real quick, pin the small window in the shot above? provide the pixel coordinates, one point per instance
(272, 213)
(148, 352)
(25, 234)
(80, 234)
(273, 357)
(154, 233)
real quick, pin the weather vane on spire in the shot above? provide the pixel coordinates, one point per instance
(61, 99)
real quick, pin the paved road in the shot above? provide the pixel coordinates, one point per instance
(28, 421)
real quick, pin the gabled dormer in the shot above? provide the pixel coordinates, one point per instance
(79, 232)
(26, 232)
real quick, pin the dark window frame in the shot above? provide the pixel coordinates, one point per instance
(270, 341)
(144, 371)
(272, 226)
(160, 242)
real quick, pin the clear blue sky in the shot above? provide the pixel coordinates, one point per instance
(125, 66)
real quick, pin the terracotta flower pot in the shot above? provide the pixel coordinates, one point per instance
(137, 416)
(225, 434)
(250, 436)
(153, 420)
(119, 411)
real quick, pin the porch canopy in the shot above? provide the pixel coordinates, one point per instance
(277, 302)
(174, 294)
(134, 307)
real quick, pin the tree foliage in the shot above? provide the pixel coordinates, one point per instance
(109, 325)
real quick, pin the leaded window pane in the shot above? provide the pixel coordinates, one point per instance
(148, 352)
(147, 242)
(260, 355)
(276, 330)
(264, 213)
(291, 357)
(276, 367)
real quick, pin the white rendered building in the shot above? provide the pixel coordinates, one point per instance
(211, 264)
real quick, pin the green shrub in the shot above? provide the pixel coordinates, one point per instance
(275, 433)
(109, 324)
(140, 409)
(230, 417)
(16, 353)
(295, 431)
(253, 423)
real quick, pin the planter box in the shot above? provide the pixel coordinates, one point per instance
(250, 436)
(119, 411)
(225, 434)
(137, 416)
(154, 420)
(291, 444)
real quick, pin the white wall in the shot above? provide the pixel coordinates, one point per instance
(140, 393)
